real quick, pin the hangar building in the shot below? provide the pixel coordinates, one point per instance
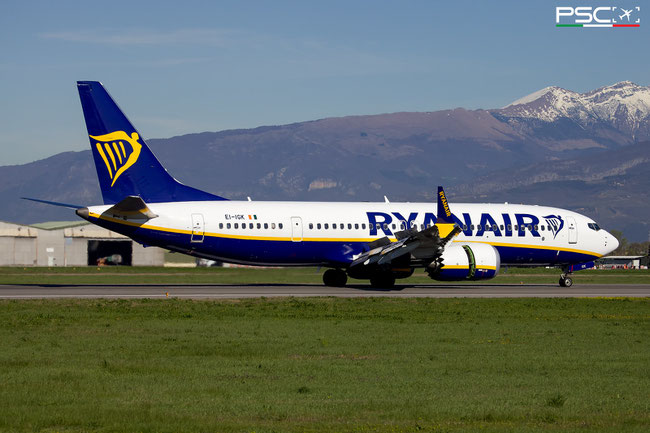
(77, 243)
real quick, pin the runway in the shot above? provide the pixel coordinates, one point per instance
(256, 291)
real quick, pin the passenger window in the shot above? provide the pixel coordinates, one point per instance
(536, 227)
(501, 227)
(421, 226)
(280, 226)
(393, 226)
(478, 227)
(471, 227)
(464, 227)
(250, 225)
(220, 225)
(273, 226)
(259, 225)
(509, 227)
(363, 226)
(318, 226)
(385, 226)
(311, 226)
(333, 225)
(356, 226)
(326, 226)
(228, 225)
(342, 226)
(266, 226)
(236, 225)
(542, 227)
(516, 227)
(349, 226)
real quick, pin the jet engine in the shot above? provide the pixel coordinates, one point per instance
(466, 262)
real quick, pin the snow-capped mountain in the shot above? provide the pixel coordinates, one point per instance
(624, 106)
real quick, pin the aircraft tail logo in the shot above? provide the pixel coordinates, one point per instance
(555, 222)
(118, 151)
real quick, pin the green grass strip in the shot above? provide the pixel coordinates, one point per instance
(324, 365)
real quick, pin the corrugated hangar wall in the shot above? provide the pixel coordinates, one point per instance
(75, 244)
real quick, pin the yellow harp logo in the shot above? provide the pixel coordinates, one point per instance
(115, 154)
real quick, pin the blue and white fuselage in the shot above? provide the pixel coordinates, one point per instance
(332, 234)
(378, 241)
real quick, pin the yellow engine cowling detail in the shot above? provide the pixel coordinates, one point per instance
(466, 262)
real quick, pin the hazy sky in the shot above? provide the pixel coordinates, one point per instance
(180, 67)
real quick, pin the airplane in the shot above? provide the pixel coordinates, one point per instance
(626, 13)
(379, 242)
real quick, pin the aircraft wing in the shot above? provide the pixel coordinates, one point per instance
(426, 245)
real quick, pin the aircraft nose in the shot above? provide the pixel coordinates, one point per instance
(611, 243)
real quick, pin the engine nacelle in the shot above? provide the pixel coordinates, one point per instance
(466, 262)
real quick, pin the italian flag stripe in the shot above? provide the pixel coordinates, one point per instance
(598, 25)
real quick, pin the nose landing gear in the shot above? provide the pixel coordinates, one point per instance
(565, 278)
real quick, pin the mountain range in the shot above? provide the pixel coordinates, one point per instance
(588, 152)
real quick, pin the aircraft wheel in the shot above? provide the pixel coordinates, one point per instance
(335, 278)
(383, 281)
(566, 282)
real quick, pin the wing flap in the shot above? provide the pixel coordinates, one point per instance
(427, 245)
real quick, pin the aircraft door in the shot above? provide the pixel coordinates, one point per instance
(296, 229)
(573, 230)
(198, 228)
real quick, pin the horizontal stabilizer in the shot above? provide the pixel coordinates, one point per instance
(54, 203)
(132, 207)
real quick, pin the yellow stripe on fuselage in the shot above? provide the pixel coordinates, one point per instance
(307, 239)
(536, 247)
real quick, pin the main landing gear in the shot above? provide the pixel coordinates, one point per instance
(335, 278)
(565, 278)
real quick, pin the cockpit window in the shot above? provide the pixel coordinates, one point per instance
(593, 226)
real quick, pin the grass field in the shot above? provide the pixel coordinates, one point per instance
(325, 364)
(160, 275)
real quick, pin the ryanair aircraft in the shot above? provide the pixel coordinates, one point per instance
(379, 242)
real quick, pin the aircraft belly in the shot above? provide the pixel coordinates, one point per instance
(537, 256)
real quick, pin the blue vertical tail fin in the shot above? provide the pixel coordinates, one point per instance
(125, 164)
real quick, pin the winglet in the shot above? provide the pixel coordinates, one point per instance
(444, 213)
(445, 221)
